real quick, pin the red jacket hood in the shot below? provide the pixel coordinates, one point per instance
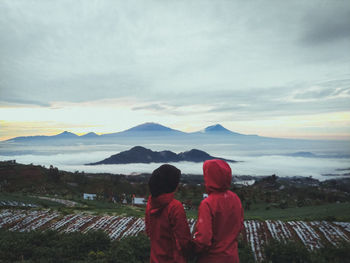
(217, 175)
(159, 202)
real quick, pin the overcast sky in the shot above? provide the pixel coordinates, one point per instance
(273, 68)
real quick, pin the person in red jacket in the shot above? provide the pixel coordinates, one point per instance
(166, 223)
(220, 216)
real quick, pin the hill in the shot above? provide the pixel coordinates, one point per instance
(139, 154)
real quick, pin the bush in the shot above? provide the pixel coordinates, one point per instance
(50, 246)
(245, 253)
(330, 253)
(289, 252)
(130, 249)
(296, 252)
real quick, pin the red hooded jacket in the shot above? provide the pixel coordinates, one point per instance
(167, 228)
(220, 216)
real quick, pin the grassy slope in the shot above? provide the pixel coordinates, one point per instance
(333, 212)
(28, 200)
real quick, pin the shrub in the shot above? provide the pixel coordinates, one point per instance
(245, 253)
(295, 252)
(130, 249)
(50, 246)
(330, 253)
(289, 252)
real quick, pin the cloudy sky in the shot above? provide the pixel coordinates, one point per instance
(273, 68)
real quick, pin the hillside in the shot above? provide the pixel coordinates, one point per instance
(269, 197)
(275, 209)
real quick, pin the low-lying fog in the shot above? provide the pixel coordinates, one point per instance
(253, 161)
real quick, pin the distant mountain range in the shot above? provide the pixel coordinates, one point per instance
(139, 154)
(143, 130)
(153, 133)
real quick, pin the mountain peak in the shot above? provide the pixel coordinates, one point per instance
(90, 135)
(219, 129)
(66, 134)
(216, 128)
(149, 126)
(138, 149)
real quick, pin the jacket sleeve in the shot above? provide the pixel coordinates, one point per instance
(204, 228)
(180, 229)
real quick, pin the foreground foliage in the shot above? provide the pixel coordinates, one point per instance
(51, 246)
(286, 252)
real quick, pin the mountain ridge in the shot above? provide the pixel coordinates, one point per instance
(139, 154)
(147, 129)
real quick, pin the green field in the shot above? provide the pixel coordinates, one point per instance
(103, 207)
(27, 199)
(328, 212)
(332, 212)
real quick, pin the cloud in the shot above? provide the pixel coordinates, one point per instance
(152, 107)
(254, 160)
(327, 23)
(240, 59)
(12, 102)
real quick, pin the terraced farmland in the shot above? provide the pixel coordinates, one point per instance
(256, 233)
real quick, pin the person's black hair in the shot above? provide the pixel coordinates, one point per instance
(164, 179)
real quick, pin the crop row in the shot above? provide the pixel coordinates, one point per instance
(256, 233)
(116, 227)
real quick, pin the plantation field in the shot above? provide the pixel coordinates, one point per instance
(313, 235)
(74, 205)
(258, 211)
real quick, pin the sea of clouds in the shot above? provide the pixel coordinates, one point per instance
(250, 163)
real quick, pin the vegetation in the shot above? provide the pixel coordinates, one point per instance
(50, 246)
(268, 198)
(279, 252)
(245, 253)
(38, 180)
(327, 212)
(27, 199)
(100, 207)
